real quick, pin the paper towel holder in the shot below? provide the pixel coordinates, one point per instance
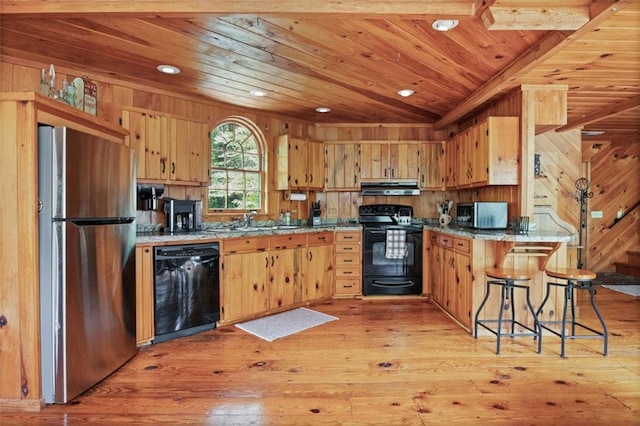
(295, 196)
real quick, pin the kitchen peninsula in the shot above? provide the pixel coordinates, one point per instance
(458, 257)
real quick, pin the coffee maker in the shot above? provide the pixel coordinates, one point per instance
(182, 215)
(314, 217)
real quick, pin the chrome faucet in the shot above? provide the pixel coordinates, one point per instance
(247, 218)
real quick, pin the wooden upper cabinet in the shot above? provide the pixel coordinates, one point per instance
(497, 149)
(148, 135)
(315, 165)
(389, 160)
(299, 163)
(342, 166)
(168, 149)
(189, 151)
(432, 166)
(485, 154)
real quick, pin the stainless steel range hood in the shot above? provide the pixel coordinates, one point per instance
(390, 188)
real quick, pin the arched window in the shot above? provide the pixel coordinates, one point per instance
(237, 166)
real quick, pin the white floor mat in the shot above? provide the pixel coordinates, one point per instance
(284, 324)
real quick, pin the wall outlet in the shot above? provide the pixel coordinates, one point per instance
(596, 214)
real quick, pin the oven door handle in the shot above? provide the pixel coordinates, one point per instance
(376, 283)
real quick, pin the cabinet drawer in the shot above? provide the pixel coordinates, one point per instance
(462, 245)
(288, 241)
(445, 240)
(347, 260)
(320, 238)
(348, 237)
(347, 248)
(348, 286)
(244, 245)
(348, 271)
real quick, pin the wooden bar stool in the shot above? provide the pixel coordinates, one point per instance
(506, 279)
(576, 279)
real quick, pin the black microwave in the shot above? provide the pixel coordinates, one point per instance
(482, 215)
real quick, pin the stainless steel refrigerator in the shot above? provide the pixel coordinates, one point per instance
(87, 237)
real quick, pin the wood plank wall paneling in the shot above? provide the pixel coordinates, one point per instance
(615, 173)
(20, 278)
(560, 157)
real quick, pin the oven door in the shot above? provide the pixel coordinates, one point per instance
(383, 275)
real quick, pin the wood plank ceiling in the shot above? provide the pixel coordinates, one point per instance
(350, 56)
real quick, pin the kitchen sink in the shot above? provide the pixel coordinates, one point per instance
(253, 228)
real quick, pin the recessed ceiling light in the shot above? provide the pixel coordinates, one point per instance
(405, 92)
(592, 132)
(323, 109)
(444, 24)
(168, 69)
(258, 93)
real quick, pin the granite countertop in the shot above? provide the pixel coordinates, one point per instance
(215, 234)
(503, 235)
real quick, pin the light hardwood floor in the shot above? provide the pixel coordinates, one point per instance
(382, 363)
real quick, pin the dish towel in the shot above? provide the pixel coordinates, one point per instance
(396, 247)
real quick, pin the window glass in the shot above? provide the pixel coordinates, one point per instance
(237, 170)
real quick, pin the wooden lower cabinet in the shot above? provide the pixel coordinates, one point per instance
(348, 263)
(286, 265)
(263, 275)
(451, 276)
(245, 278)
(144, 295)
(318, 274)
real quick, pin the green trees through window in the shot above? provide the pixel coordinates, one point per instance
(237, 165)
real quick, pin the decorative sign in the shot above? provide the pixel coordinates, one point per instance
(90, 96)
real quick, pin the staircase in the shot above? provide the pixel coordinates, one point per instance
(631, 266)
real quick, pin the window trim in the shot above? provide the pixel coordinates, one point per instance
(263, 154)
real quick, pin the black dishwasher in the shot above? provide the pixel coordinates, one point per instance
(187, 289)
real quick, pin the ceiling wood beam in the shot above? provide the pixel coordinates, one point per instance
(605, 113)
(505, 80)
(512, 15)
(168, 8)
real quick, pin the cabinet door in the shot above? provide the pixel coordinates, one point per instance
(449, 282)
(180, 150)
(188, 152)
(503, 150)
(463, 158)
(374, 161)
(299, 174)
(479, 154)
(315, 162)
(148, 136)
(432, 174)
(342, 171)
(404, 159)
(285, 277)
(244, 285)
(319, 272)
(144, 295)
(200, 158)
(439, 261)
(463, 289)
(451, 164)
